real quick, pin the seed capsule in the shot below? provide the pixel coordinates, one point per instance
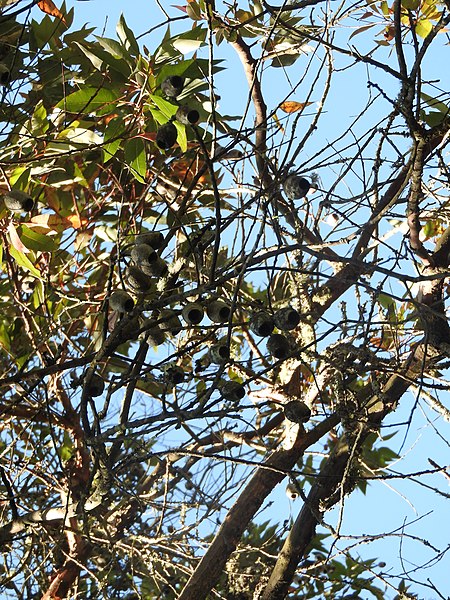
(297, 411)
(286, 318)
(232, 391)
(187, 116)
(174, 375)
(219, 353)
(296, 187)
(143, 254)
(155, 239)
(166, 136)
(172, 86)
(5, 75)
(153, 334)
(193, 313)
(278, 346)
(291, 491)
(218, 311)
(261, 324)
(121, 301)
(18, 201)
(96, 386)
(137, 280)
(168, 320)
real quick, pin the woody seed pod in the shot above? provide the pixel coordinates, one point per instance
(232, 391)
(143, 254)
(187, 116)
(121, 301)
(286, 318)
(137, 280)
(297, 411)
(155, 239)
(219, 353)
(296, 187)
(193, 313)
(96, 386)
(166, 136)
(168, 320)
(291, 491)
(278, 345)
(5, 75)
(261, 324)
(174, 375)
(218, 311)
(153, 334)
(172, 86)
(18, 201)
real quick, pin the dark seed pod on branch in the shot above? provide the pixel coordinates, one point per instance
(278, 346)
(153, 334)
(95, 386)
(193, 313)
(5, 75)
(291, 491)
(18, 201)
(143, 254)
(286, 318)
(169, 321)
(155, 239)
(218, 311)
(297, 411)
(261, 324)
(219, 353)
(121, 301)
(174, 375)
(166, 136)
(172, 86)
(158, 268)
(137, 280)
(232, 391)
(296, 187)
(187, 116)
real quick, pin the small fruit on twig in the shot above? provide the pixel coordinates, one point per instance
(296, 187)
(193, 313)
(18, 201)
(232, 391)
(286, 318)
(137, 280)
(261, 324)
(278, 346)
(219, 353)
(187, 116)
(96, 386)
(297, 411)
(121, 301)
(218, 311)
(155, 239)
(166, 136)
(172, 86)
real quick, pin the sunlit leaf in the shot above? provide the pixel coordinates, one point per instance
(423, 28)
(23, 261)
(49, 7)
(135, 157)
(291, 107)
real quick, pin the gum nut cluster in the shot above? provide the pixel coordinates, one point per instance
(146, 261)
(166, 136)
(262, 324)
(96, 386)
(296, 187)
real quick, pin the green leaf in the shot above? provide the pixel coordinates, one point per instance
(126, 36)
(434, 103)
(136, 158)
(423, 27)
(23, 261)
(37, 241)
(90, 100)
(167, 108)
(113, 132)
(181, 137)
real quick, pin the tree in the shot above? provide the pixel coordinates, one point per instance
(198, 307)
